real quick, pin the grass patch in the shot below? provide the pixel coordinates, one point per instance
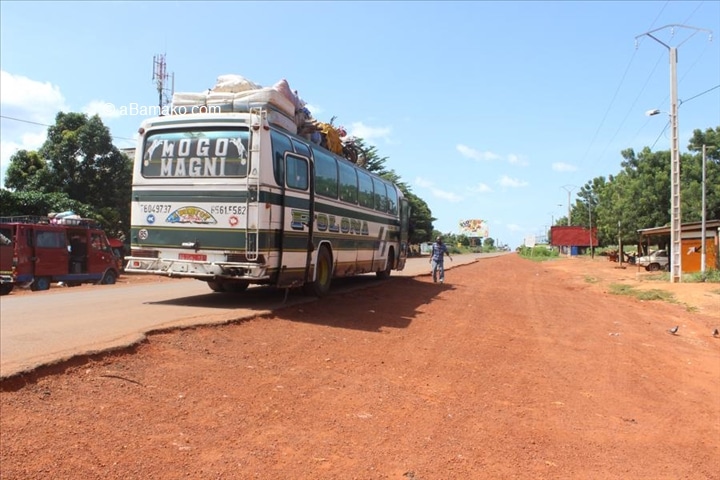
(538, 253)
(645, 295)
(590, 279)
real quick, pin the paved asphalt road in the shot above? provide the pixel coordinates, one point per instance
(45, 327)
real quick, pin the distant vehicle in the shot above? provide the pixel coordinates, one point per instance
(657, 260)
(35, 252)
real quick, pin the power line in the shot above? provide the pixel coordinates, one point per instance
(46, 125)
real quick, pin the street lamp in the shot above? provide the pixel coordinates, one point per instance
(675, 222)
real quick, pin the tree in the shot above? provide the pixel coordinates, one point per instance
(421, 219)
(691, 176)
(27, 171)
(79, 160)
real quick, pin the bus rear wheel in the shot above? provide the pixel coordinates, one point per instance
(385, 274)
(323, 275)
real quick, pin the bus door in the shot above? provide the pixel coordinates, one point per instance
(404, 232)
(297, 225)
(50, 252)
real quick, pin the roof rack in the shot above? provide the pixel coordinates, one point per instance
(40, 220)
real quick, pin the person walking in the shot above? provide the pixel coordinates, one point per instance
(439, 250)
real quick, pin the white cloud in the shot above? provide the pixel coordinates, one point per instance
(477, 155)
(563, 167)
(517, 160)
(28, 107)
(436, 192)
(421, 182)
(368, 133)
(315, 110)
(481, 188)
(106, 110)
(35, 101)
(506, 181)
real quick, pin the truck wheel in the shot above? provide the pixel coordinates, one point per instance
(654, 267)
(323, 275)
(6, 288)
(215, 286)
(109, 278)
(40, 283)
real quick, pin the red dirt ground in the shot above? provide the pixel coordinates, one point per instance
(512, 369)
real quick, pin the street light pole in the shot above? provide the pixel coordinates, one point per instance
(675, 222)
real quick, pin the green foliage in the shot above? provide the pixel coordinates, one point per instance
(639, 195)
(77, 162)
(645, 295)
(540, 252)
(35, 203)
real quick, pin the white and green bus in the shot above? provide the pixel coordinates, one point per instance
(232, 199)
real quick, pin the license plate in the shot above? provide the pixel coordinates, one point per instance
(198, 257)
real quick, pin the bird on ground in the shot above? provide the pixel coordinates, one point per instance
(716, 333)
(674, 329)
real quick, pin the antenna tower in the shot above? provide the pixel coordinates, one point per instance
(161, 77)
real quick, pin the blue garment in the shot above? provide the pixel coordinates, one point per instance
(439, 250)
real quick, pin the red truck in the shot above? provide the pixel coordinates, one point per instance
(36, 252)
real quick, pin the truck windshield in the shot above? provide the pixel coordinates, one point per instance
(196, 154)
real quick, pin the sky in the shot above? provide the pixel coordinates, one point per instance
(497, 111)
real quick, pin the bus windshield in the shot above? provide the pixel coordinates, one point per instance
(196, 153)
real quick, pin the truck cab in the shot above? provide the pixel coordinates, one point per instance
(35, 252)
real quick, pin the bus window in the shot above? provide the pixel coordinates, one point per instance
(297, 172)
(392, 199)
(326, 174)
(365, 194)
(348, 183)
(301, 148)
(196, 154)
(380, 195)
(280, 145)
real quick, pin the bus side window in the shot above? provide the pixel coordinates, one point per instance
(392, 199)
(326, 174)
(297, 172)
(365, 195)
(301, 148)
(280, 145)
(380, 196)
(348, 183)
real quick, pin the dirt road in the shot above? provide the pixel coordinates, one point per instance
(511, 369)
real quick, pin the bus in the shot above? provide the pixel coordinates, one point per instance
(235, 199)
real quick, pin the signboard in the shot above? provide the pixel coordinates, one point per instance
(474, 228)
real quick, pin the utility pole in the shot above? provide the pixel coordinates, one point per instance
(568, 189)
(675, 221)
(703, 243)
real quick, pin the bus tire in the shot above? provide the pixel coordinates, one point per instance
(385, 274)
(40, 283)
(323, 275)
(235, 287)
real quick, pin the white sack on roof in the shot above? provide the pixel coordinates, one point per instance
(234, 84)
